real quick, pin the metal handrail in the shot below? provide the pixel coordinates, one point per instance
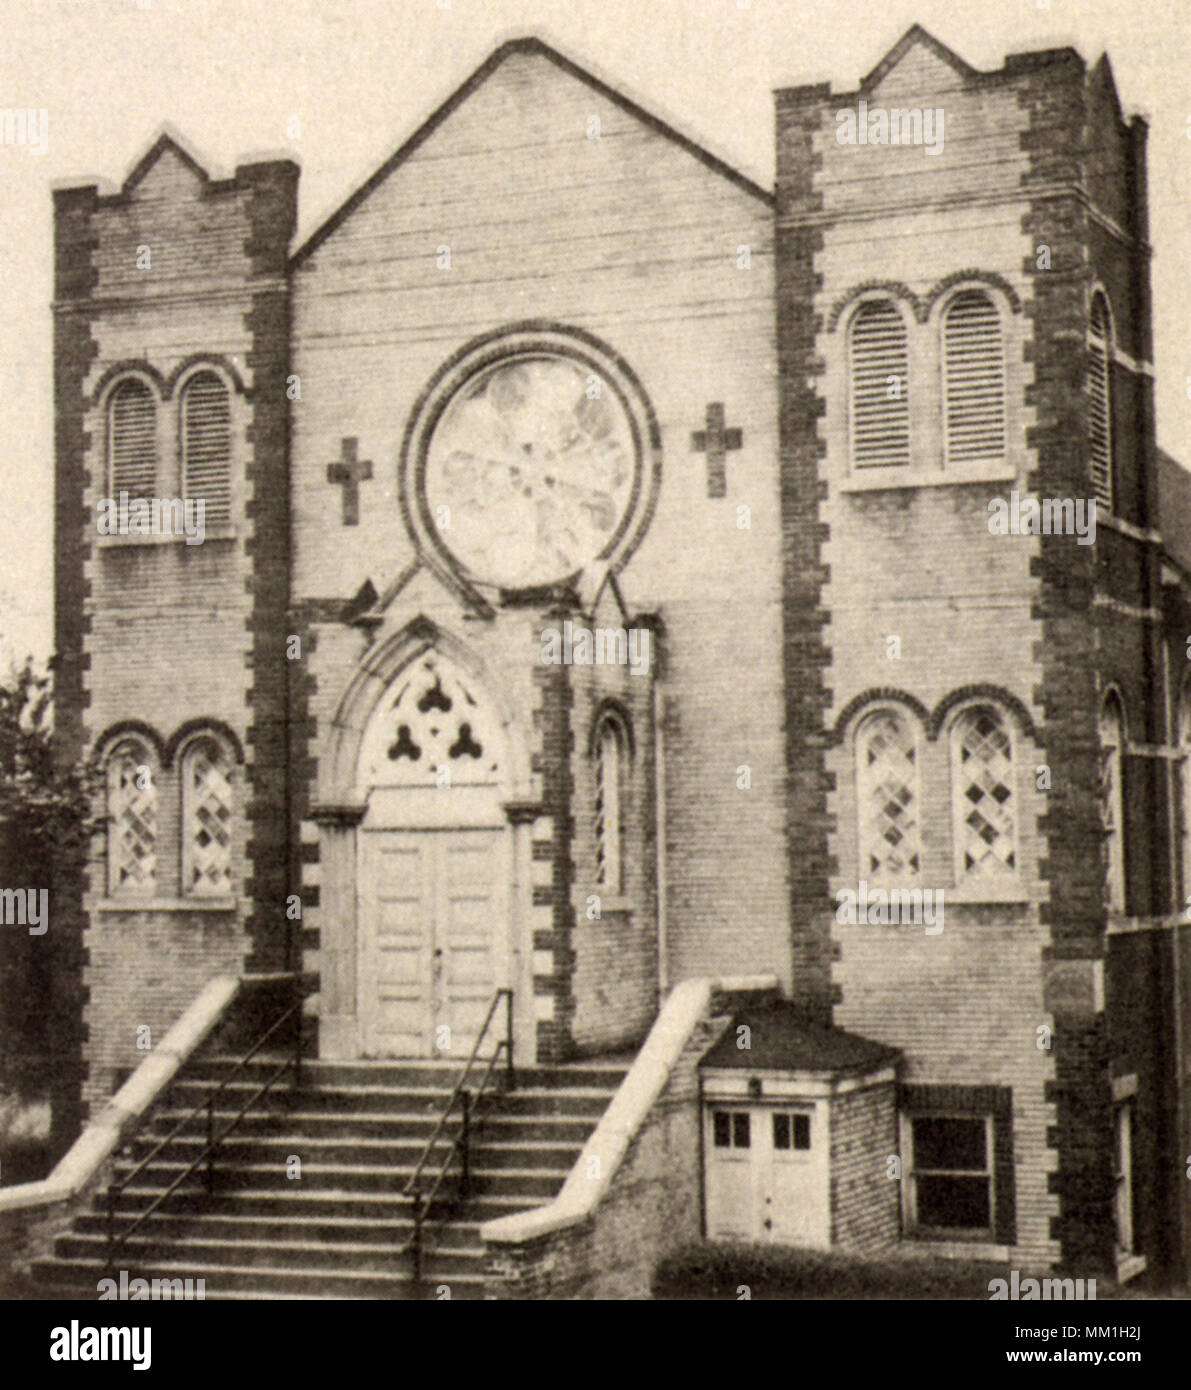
(423, 1201)
(454, 1096)
(213, 1141)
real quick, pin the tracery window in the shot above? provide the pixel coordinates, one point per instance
(983, 801)
(207, 806)
(887, 796)
(132, 820)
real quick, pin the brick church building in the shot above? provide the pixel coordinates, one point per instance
(557, 372)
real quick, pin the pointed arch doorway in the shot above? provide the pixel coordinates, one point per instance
(434, 864)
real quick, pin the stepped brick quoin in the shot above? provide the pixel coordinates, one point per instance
(210, 287)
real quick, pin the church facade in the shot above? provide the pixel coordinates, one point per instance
(614, 572)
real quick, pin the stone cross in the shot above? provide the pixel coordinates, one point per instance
(350, 472)
(715, 441)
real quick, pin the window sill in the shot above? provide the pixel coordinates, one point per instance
(210, 533)
(888, 479)
(993, 893)
(214, 903)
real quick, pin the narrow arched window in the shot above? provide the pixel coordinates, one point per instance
(206, 447)
(878, 368)
(973, 380)
(1185, 742)
(1112, 742)
(887, 796)
(610, 750)
(983, 802)
(206, 818)
(132, 440)
(1100, 422)
(131, 819)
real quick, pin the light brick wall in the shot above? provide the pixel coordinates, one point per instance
(634, 239)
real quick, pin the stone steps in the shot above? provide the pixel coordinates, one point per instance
(343, 1228)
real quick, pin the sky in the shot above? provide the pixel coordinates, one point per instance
(361, 75)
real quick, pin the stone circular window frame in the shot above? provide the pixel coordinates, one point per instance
(484, 354)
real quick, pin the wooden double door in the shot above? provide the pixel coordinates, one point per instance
(432, 914)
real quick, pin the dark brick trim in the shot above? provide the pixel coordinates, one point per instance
(806, 654)
(1068, 693)
(985, 277)
(75, 351)
(216, 360)
(610, 705)
(128, 366)
(994, 695)
(202, 725)
(996, 1101)
(269, 191)
(135, 728)
(876, 695)
(554, 1038)
(896, 288)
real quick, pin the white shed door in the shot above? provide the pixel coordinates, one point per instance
(763, 1175)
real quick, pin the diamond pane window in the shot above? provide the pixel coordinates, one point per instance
(982, 795)
(132, 821)
(887, 796)
(206, 819)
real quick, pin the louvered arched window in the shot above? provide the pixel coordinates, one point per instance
(206, 446)
(610, 751)
(132, 440)
(1100, 353)
(878, 368)
(206, 818)
(973, 380)
(131, 819)
(982, 795)
(887, 796)
(1112, 742)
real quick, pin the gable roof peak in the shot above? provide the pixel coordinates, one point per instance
(914, 36)
(530, 44)
(168, 139)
